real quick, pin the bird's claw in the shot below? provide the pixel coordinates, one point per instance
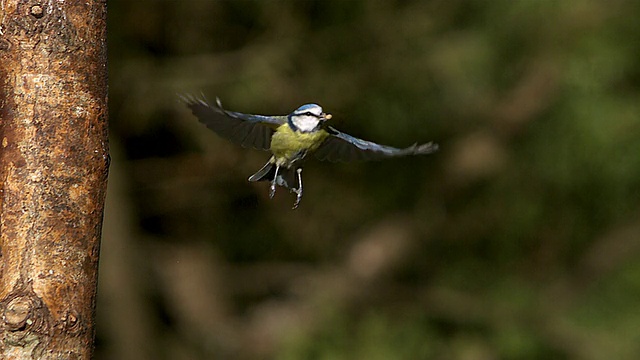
(272, 191)
(298, 198)
(298, 191)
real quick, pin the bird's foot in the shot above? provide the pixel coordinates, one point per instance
(298, 198)
(298, 191)
(272, 190)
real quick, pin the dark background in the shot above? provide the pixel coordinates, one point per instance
(520, 239)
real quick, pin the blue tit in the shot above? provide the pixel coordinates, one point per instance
(291, 138)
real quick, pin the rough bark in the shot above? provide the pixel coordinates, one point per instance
(53, 167)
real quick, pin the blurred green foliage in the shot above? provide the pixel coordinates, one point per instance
(519, 240)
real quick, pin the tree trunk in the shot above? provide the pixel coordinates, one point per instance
(53, 169)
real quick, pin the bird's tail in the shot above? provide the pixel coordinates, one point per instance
(286, 176)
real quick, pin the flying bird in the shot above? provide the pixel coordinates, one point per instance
(291, 139)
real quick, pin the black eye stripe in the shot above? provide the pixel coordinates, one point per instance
(308, 114)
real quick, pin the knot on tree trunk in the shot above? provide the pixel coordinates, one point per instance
(25, 317)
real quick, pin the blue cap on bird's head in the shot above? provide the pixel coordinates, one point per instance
(314, 110)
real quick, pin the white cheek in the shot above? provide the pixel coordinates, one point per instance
(305, 123)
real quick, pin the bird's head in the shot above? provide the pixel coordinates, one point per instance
(308, 117)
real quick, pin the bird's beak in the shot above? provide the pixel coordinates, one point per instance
(327, 116)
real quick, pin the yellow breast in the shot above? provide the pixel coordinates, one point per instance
(286, 144)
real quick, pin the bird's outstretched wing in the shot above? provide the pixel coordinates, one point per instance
(244, 129)
(343, 147)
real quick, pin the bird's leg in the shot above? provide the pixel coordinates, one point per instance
(272, 190)
(299, 190)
